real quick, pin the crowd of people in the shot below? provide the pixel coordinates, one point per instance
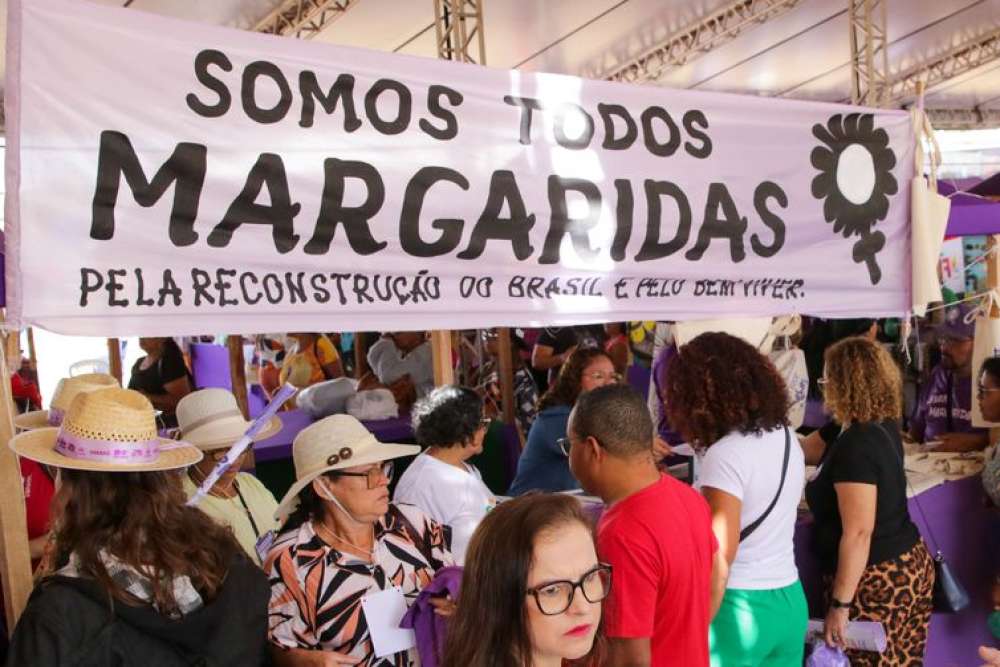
(596, 555)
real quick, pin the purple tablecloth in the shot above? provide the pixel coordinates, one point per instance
(280, 446)
(967, 533)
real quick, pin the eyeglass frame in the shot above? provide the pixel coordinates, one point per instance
(600, 567)
(385, 469)
(617, 377)
(982, 390)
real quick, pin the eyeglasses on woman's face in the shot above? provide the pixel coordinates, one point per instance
(603, 376)
(982, 390)
(374, 476)
(555, 597)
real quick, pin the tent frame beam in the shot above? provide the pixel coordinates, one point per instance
(303, 18)
(869, 52)
(960, 59)
(718, 28)
(458, 25)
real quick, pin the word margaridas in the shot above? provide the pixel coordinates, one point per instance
(504, 217)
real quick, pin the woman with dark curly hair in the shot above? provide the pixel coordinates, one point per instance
(543, 465)
(877, 567)
(532, 590)
(730, 402)
(450, 426)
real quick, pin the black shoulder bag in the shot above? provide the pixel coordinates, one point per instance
(950, 595)
(746, 532)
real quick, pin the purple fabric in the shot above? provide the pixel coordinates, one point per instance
(279, 446)
(210, 366)
(3, 271)
(989, 187)
(931, 419)
(661, 367)
(970, 545)
(971, 215)
(430, 628)
(638, 378)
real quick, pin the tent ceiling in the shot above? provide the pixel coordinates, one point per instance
(804, 53)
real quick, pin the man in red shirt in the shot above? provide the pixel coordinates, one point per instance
(656, 533)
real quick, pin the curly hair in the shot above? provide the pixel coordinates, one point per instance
(566, 389)
(491, 626)
(141, 519)
(449, 416)
(863, 383)
(718, 384)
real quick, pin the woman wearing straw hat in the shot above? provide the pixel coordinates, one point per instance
(142, 579)
(66, 391)
(346, 549)
(210, 419)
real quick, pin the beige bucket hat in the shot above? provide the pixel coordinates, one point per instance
(334, 443)
(107, 430)
(66, 391)
(211, 419)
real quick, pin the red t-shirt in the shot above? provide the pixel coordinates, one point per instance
(38, 492)
(660, 543)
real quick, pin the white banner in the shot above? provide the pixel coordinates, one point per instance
(166, 177)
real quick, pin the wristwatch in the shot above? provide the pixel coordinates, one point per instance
(837, 604)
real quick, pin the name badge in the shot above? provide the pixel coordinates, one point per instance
(263, 545)
(384, 611)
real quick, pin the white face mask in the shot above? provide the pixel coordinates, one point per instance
(326, 493)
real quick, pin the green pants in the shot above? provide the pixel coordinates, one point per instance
(760, 628)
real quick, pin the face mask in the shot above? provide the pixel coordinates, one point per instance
(325, 493)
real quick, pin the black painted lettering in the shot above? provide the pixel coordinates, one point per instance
(527, 105)
(253, 72)
(561, 224)
(223, 282)
(320, 293)
(409, 219)
(244, 279)
(201, 281)
(341, 94)
(623, 218)
(280, 213)
(515, 229)
(404, 106)
(184, 169)
(608, 113)
(274, 291)
(355, 219)
(652, 247)
(769, 190)
(91, 281)
(654, 145)
(434, 95)
(722, 221)
(169, 288)
(695, 123)
(202, 61)
(141, 289)
(562, 116)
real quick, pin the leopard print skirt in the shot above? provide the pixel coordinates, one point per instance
(899, 594)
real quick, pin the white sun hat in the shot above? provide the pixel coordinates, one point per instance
(211, 419)
(66, 391)
(107, 430)
(334, 443)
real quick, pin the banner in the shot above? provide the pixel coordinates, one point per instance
(165, 177)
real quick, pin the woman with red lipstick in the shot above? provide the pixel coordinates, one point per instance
(532, 589)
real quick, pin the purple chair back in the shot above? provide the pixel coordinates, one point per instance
(210, 366)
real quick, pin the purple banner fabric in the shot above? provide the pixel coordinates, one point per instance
(971, 215)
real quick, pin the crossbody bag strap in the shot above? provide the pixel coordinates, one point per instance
(746, 532)
(916, 500)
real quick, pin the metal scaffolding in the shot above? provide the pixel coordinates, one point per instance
(869, 52)
(964, 119)
(303, 18)
(957, 61)
(459, 23)
(712, 31)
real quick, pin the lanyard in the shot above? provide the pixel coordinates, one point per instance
(253, 524)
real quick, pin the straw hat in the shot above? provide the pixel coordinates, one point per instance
(108, 430)
(333, 443)
(66, 391)
(211, 419)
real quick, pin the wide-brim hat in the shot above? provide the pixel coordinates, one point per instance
(66, 391)
(334, 443)
(108, 430)
(211, 419)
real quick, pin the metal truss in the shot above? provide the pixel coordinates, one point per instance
(869, 52)
(303, 18)
(959, 60)
(459, 23)
(714, 30)
(964, 119)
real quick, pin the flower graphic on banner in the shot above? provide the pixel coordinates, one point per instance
(855, 181)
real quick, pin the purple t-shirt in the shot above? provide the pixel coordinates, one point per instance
(932, 416)
(661, 366)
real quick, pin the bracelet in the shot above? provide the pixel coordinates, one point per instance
(837, 604)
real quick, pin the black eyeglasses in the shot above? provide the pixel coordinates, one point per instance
(982, 390)
(565, 444)
(374, 476)
(555, 597)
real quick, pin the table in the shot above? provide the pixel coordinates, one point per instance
(279, 446)
(968, 533)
